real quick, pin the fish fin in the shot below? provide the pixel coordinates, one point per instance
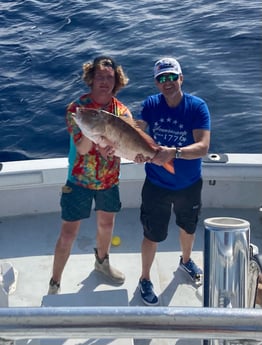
(132, 124)
(145, 135)
(169, 166)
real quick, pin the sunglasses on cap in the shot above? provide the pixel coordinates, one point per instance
(162, 78)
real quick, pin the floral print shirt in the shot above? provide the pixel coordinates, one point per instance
(92, 170)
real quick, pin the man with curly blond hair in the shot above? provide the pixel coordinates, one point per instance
(93, 173)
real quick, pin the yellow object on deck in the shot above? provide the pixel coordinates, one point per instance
(116, 241)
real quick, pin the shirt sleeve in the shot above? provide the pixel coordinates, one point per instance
(72, 127)
(127, 113)
(142, 115)
(202, 119)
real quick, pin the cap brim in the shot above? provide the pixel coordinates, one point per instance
(165, 71)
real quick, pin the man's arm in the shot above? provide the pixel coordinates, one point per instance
(196, 150)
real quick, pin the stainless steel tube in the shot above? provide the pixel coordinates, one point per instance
(130, 322)
(226, 263)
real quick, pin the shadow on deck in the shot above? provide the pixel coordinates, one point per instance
(28, 242)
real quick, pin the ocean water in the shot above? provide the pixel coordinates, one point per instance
(44, 44)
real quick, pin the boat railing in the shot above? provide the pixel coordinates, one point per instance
(244, 325)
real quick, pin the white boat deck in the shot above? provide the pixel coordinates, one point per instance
(27, 243)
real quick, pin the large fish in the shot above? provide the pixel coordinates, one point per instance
(127, 139)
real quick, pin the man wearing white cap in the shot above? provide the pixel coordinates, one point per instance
(180, 124)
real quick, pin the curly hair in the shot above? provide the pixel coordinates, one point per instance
(89, 69)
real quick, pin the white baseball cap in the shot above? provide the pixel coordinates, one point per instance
(167, 65)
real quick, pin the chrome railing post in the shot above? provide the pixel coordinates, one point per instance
(226, 265)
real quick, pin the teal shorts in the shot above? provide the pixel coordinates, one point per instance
(76, 201)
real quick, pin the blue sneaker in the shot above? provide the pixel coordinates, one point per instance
(147, 294)
(191, 269)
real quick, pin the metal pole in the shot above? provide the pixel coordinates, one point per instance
(226, 264)
(130, 322)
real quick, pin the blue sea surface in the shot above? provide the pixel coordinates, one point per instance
(45, 43)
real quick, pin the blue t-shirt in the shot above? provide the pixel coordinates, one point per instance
(173, 127)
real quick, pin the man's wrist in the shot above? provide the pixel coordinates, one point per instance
(178, 153)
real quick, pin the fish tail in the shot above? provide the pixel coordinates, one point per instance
(169, 166)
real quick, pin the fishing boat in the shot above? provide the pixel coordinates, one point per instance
(90, 310)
